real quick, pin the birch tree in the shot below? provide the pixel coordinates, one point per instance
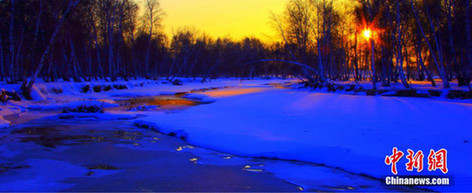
(154, 14)
(61, 19)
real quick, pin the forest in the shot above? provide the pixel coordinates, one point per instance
(319, 41)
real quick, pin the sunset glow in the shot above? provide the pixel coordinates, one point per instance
(223, 18)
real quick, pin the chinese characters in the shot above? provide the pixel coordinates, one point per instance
(437, 160)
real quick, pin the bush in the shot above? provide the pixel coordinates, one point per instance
(107, 88)
(339, 87)
(409, 93)
(85, 89)
(120, 86)
(350, 88)
(459, 94)
(435, 93)
(177, 82)
(371, 92)
(97, 88)
(331, 87)
(57, 90)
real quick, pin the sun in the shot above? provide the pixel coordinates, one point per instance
(367, 34)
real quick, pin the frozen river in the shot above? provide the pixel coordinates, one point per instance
(87, 153)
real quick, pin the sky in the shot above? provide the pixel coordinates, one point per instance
(223, 18)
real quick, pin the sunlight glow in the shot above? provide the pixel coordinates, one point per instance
(367, 34)
(232, 92)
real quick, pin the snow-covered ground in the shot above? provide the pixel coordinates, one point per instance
(58, 95)
(351, 132)
(251, 118)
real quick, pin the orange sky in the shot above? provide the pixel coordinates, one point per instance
(224, 18)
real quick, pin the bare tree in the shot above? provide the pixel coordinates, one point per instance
(154, 14)
(399, 47)
(468, 44)
(12, 42)
(62, 17)
(2, 60)
(439, 65)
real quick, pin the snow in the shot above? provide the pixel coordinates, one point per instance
(60, 95)
(4, 123)
(250, 118)
(199, 97)
(6, 110)
(351, 132)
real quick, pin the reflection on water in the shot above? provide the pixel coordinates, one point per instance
(52, 136)
(232, 92)
(162, 102)
(253, 169)
(280, 85)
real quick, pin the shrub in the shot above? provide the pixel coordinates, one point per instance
(107, 88)
(97, 88)
(459, 94)
(409, 93)
(350, 88)
(177, 82)
(57, 90)
(120, 86)
(435, 93)
(85, 89)
(371, 92)
(84, 109)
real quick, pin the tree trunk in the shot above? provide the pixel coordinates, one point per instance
(439, 67)
(420, 58)
(456, 65)
(400, 56)
(439, 51)
(469, 44)
(13, 78)
(111, 33)
(97, 48)
(36, 33)
(2, 60)
(74, 62)
(72, 4)
(148, 49)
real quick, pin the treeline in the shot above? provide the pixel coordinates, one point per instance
(82, 40)
(383, 41)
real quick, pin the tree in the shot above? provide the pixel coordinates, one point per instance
(61, 19)
(154, 14)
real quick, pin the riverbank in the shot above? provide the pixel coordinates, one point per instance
(263, 119)
(58, 95)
